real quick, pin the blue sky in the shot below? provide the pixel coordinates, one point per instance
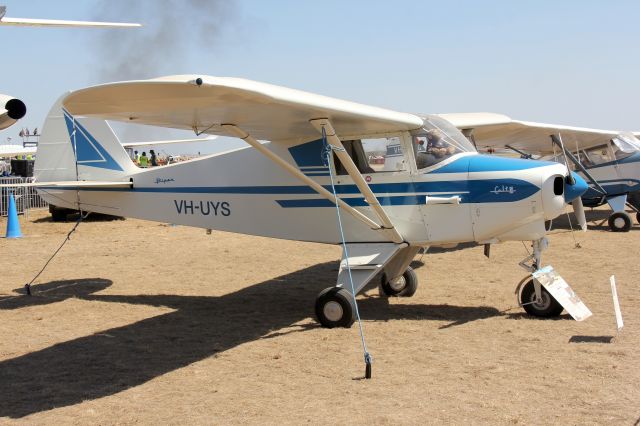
(569, 62)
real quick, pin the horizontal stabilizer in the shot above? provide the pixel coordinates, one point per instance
(71, 183)
(167, 142)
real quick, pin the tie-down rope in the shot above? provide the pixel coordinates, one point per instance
(82, 216)
(328, 149)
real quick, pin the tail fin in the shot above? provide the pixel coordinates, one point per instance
(80, 148)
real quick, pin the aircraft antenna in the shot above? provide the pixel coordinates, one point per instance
(328, 150)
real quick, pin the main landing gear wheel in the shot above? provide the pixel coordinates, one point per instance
(334, 308)
(403, 286)
(547, 308)
(620, 222)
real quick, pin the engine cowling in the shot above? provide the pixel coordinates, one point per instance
(11, 110)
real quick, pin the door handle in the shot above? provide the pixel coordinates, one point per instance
(455, 199)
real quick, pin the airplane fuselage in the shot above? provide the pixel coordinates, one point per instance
(617, 177)
(470, 197)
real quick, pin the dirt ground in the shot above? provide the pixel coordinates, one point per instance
(141, 322)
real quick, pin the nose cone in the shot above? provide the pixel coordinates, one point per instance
(571, 192)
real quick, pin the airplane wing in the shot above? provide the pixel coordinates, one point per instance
(203, 104)
(4, 20)
(25, 22)
(496, 131)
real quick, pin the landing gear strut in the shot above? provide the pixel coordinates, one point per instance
(534, 298)
(335, 306)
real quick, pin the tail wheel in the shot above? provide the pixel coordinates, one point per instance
(403, 286)
(58, 214)
(334, 308)
(548, 307)
(620, 222)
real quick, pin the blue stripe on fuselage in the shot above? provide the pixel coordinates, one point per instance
(472, 191)
(489, 163)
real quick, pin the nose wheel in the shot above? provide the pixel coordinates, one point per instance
(545, 307)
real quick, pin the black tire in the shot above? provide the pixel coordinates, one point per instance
(58, 214)
(633, 198)
(547, 309)
(620, 222)
(405, 286)
(638, 217)
(334, 308)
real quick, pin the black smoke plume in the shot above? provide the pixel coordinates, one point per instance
(173, 30)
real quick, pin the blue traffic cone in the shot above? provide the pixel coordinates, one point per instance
(13, 226)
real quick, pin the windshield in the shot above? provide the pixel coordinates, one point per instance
(437, 141)
(627, 143)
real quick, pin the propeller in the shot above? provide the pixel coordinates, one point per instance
(578, 207)
(578, 211)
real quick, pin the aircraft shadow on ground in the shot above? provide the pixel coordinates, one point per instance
(120, 358)
(591, 339)
(91, 217)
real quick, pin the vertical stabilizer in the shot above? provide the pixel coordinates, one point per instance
(79, 148)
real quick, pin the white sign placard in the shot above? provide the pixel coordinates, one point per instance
(562, 292)
(616, 303)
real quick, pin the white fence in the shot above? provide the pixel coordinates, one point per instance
(26, 197)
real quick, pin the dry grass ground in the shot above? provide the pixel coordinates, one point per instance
(140, 322)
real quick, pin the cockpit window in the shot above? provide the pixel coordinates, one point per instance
(624, 145)
(597, 155)
(373, 155)
(437, 141)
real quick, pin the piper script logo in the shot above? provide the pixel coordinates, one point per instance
(163, 180)
(503, 189)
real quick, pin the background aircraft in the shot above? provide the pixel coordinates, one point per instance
(285, 188)
(609, 160)
(11, 150)
(13, 109)
(5, 20)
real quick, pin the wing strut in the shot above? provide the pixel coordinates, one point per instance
(355, 174)
(236, 131)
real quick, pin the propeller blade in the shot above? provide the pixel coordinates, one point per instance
(578, 211)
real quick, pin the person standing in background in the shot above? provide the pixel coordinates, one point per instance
(154, 159)
(143, 161)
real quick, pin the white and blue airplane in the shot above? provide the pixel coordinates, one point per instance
(317, 157)
(609, 160)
